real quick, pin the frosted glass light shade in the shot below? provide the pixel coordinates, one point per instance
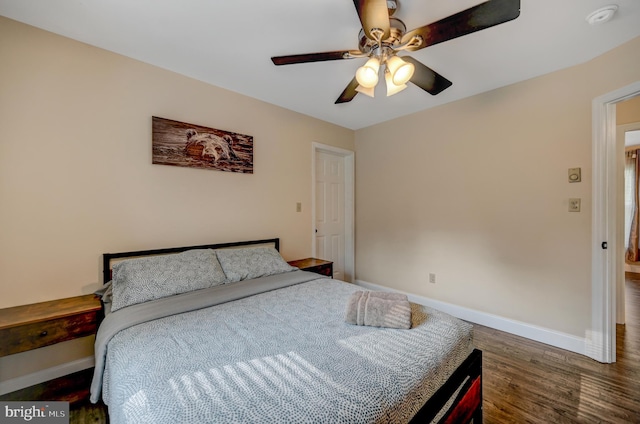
(367, 75)
(391, 87)
(401, 71)
(365, 90)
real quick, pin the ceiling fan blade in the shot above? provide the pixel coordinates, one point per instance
(373, 15)
(426, 78)
(349, 92)
(482, 16)
(315, 57)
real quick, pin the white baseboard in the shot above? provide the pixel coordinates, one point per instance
(47, 374)
(540, 334)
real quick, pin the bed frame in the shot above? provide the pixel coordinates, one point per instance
(467, 406)
(107, 258)
(466, 380)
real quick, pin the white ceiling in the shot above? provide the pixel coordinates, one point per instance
(229, 44)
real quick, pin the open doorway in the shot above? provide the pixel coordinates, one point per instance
(628, 287)
(628, 259)
(608, 223)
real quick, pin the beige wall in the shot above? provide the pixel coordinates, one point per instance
(76, 178)
(628, 112)
(476, 192)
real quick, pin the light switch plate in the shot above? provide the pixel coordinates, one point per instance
(574, 205)
(575, 175)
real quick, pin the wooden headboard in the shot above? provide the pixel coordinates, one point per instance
(107, 258)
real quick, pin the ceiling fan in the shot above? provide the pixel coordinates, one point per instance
(383, 36)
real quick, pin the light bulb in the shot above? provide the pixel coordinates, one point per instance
(365, 90)
(401, 71)
(391, 87)
(367, 75)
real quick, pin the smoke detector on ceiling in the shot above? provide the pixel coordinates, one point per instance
(602, 15)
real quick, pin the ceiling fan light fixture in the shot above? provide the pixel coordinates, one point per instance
(391, 87)
(401, 71)
(382, 37)
(367, 75)
(368, 91)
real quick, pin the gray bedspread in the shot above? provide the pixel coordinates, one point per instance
(281, 356)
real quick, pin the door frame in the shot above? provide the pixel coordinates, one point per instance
(601, 342)
(348, 157)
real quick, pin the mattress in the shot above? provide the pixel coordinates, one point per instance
(280, 355)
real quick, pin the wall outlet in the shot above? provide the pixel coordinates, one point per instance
(574, 205)
(432, 278)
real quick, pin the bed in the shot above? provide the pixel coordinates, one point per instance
(251, 339)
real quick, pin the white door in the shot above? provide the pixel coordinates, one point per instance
(330, 210)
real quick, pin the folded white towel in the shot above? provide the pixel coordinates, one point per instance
(379, 309)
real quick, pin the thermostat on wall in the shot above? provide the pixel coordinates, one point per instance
(575, 175)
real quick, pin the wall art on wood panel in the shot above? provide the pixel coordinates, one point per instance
(181, 144)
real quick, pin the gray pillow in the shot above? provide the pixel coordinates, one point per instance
(251, 262)
(143, 279)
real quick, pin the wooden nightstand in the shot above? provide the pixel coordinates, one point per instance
(319, 266)
(29, 327)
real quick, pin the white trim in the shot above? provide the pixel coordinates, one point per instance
(47, 374)
(349, 204)
(601, 342)
(540, 334)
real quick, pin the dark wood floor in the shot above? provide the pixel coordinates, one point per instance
(530, 382)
